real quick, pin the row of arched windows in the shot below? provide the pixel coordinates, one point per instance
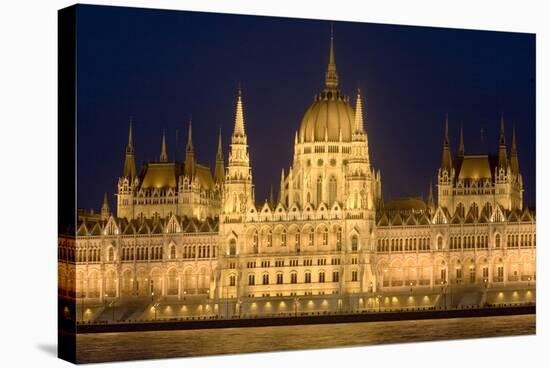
(471, 241)
(293, 278)
(520, 240)
(88, 255)
(66, 254)
(140, 254)
(194, 251)
(403, 244)
(323, 238)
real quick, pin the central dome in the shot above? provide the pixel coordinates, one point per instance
(330, 114)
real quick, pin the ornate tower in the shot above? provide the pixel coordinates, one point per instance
(130, 160)
(189, 165)
(359, 193)
(126, 181)
(238, 188)
(446, 172)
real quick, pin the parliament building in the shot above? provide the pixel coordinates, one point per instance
(185, 241)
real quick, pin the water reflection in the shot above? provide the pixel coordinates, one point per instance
(166, 344)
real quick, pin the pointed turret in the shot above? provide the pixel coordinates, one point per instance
(189, 165)
(282, 187)
(446, 161)
(130, 159)
(271, 199)
(239, 118)
(219, 171)
(502, 157)
(105, 211)
(358, 126)
(431, 203)
(461, 143)
(514, 162)
(331, 77)
(163, 155)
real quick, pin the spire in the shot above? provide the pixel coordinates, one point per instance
(461, 143)
(446, 161)
(219, 171)
(130, 160)
(105, 211)
(331, 77)
(239, 117)
(514, 162)
(431, 204)
(358, 113)
(163, 156)
(271, 200)
(502, 157)
(130, 146)
(189, 146)
(189, 164)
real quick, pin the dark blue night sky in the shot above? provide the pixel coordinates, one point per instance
(161, 67)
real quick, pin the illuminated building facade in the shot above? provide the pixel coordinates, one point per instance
(185, 236)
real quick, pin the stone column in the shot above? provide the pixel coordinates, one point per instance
(179, 287)
(432, 277)
(101, 288)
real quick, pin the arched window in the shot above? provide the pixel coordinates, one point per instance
(319, 190)
(322, 276)
(283, 238)
(497, 241)
(255, 241)
(325, 236)
(269, 238)
(265, 279)
(232, 247)
(311, 237)
(172, 252)
(339, 239)
(297, 240)
(439, 243)
(307, 277)
(332, 191)
(354, 242)
(173, 282)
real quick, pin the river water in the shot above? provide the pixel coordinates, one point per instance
(102, 347)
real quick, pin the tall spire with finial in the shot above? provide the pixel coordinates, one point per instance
(189, 164)
(239, 117)
(130, 159)
(219, 171)
(359, 128)
(502, 157)
(331, 77)
(446, 161)
(189, 146)
(105, 211)
(163, 155)
(461, 143)
(514, 162)
(271, 198)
